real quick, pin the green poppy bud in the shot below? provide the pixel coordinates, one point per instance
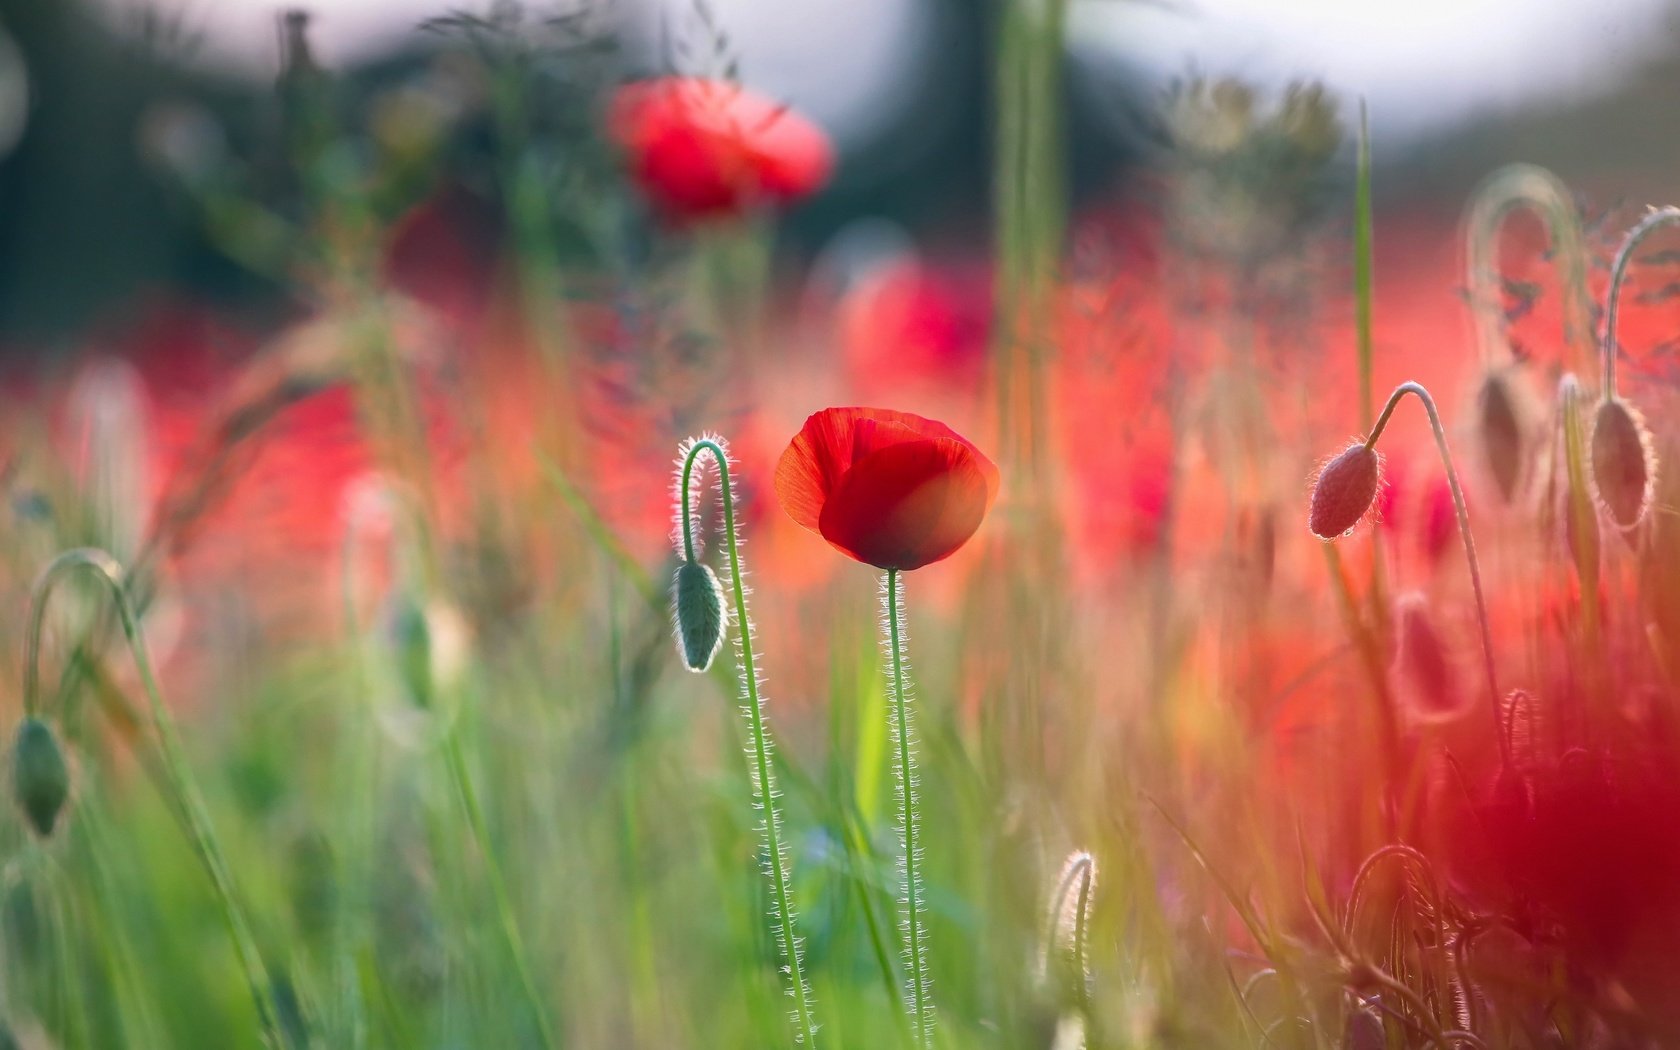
(700, 621)
(411, 648)
(40, 776)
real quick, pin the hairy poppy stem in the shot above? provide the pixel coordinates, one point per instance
(1461, 511)
(187, 799)
(763, 773)
(904, 745)
(1073, 925)
(1610, 348)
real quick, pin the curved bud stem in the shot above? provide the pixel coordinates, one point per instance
(1610, 348)
(187, 799)
(1505, 191)
(1071, 926)
(763, 773)
(1463, 514)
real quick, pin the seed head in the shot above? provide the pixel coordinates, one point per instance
(1501, 433)
(40, 777)
(698, 604)
(1345, 491)
(1622, 462)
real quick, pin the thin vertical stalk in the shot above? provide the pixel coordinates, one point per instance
(1363, 280)
(762, 770)
(1583, 514)
(1364, 287)
(1388, 726)
(480, 829)
(188, 801)
(1030, 202)
(919, 1000)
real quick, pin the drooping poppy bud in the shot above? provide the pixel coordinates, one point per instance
(890, 489)
(1499, 426)
(40, 776)
(698, 606)
(1345, 491)
(1623, 473)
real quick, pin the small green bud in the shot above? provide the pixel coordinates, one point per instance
(698, 601)
(40, 777)
(411, 648)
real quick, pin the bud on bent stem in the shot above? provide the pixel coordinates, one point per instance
(1461, 511)
(701, 619)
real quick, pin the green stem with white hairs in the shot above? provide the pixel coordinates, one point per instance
(752, 702)
(1507, 190)
(1461, 511)
(918, 998)
(188, 801)
(1080, 870)
(1610, 348)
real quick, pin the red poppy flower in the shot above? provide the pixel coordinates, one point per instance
(891, 489)
(705, 148)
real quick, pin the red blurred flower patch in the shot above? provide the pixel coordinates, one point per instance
(906, 321)
(1577, 845)
(891, 489)
(703, 149)
(444, 251)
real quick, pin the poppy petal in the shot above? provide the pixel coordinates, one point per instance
(828, 444)
(910, 503)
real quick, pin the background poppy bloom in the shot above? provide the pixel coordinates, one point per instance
(891, 489)
(704, 148)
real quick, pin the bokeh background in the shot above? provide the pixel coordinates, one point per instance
(347, 331)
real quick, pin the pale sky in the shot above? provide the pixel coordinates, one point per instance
(1419, 62)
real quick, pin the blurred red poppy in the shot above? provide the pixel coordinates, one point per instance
(443, 252)
(891, 489)
(702, 148)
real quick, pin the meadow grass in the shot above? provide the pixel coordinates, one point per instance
(464, 797)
